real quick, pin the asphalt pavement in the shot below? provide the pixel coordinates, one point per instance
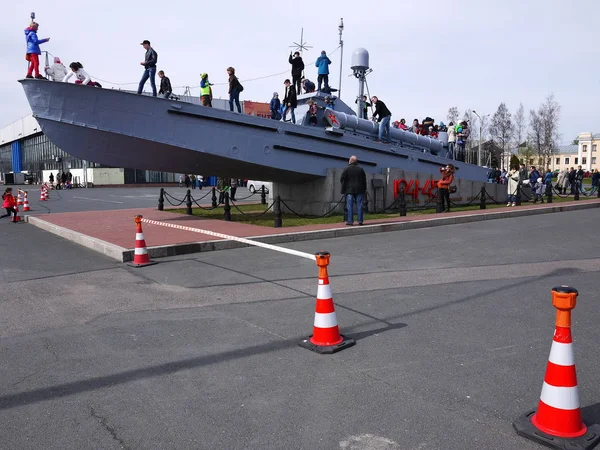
(106, 198)
(453, 327)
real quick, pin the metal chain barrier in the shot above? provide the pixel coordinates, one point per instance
(199, 205)
(559, 193)
(167, 195)
(253, 215)
(477, 197)
(492, 198)
(314, 217)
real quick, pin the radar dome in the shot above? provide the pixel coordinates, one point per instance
(360, 59)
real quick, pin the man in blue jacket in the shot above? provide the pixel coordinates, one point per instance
(33, 50)
(323, 65)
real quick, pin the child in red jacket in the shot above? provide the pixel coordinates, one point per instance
(9, 202)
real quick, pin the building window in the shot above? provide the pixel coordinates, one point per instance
(594, 147)
(584, 148)
(576, 160)
(583, 160)
(557, 161)
(530, 161)
(566, 160)
(593, 160)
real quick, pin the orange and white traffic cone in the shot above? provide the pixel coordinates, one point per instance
(326, 336)
(20, 197)
(16, 218)
(140, 255)
(42, 195)
(26, 203)
(46, 193)
(557, 423)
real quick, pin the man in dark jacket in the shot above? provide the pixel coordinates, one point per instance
(354, 186)
(384, 116)
(533, 177)
(274, 106)
(297, 68)
(580, 175)
(149, 68)
(573, 180)
(165, 85)
(290, 101)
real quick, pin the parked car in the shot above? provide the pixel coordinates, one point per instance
(254, 186)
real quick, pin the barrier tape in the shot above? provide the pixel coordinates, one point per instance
(232, 238)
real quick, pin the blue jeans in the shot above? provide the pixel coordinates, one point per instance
(384, 125)
(512, 199)
(148, 73)
(235, 96)
(292, 112)
(350, 198)
(450, 150)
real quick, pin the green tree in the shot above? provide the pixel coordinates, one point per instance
(575, 142)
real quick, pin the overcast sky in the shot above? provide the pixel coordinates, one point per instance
(472, 54)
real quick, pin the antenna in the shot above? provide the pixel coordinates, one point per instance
(302, 45)
(341, 30)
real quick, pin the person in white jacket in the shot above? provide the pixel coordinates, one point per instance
(58, 71)
(82, 75)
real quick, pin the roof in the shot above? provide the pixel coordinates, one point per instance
(567, 149)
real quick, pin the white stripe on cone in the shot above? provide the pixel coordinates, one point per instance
(139, 236)
(324, 292)
(327, 320)
(566, 398)
(561, 354)
(141, 251)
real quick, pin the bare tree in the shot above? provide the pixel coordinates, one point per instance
(544, 129)
(471, 119)
(550, 116)
(501, 129)
(536, 133)
(519, 125)
(452, 115)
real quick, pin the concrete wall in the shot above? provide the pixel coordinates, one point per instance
(320, 196)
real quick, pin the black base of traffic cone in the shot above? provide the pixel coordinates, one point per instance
(150, 263)
(526, 429)
(329, 349)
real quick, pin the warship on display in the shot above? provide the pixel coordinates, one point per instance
(123, 129)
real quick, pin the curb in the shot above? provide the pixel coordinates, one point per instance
(126, 255)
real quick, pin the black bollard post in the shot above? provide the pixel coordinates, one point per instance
(263, 195)
(161, 200)
(438, 203)
(549, 192)
(188, 203)
(482, 198)
(576, 191)
(278, 222)
(518, 196)
(598, 187)
(227, 209)
(402, 202)
(214, 197)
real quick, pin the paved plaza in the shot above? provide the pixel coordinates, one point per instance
(453, 327)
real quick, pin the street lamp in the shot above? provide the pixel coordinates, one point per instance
(480, 135)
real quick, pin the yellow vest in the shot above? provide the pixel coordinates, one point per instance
(205, 90)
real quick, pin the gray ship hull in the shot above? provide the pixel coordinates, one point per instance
(121, 129)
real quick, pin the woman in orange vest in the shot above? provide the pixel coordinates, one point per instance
(444, 186)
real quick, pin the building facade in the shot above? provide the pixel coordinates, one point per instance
(587, 151)
(565, 157)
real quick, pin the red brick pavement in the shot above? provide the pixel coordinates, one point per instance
(117, 226)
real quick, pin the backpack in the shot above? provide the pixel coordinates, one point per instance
(239, 85)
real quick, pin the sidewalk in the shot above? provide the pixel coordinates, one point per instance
(113, 232)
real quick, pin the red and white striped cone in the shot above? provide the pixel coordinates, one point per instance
(46, 193)
(16, 218)
(26, 203)
(557, 423)
(326, 336)
(42, 195)
(140, 255)
(20, 197)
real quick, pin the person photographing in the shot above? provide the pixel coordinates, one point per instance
(444, 186)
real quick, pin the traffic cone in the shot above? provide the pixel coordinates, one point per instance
(20, 197)
(140, 256)
(42, 195)
(557, 422)
(46, 193)
(16, 218)
(26, 203)
(326, 336)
